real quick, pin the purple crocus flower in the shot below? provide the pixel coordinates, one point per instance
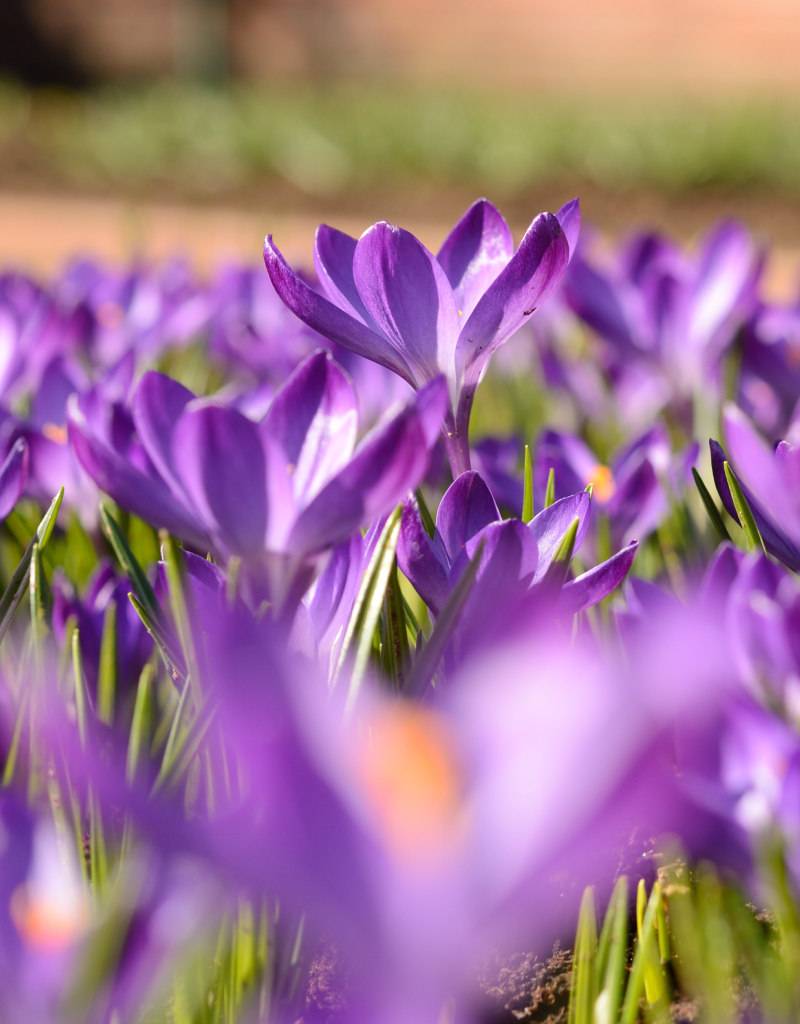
(133, 644)
(515, 557)
(769, 380)
(386, 297)
(279, 491)
(634, 491)
(770, 481)
(676, 313)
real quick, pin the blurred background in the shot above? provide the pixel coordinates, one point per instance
(195, 126)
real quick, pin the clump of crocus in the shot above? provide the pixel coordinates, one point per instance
(388, 298)
(276, 492)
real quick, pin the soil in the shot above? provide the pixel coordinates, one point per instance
(525, 989)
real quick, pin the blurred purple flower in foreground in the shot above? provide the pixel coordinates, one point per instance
(386, 297)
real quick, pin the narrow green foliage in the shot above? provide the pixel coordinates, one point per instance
(647, 975)
(550, 488)
(126, 558)
(98, 851)
(612, 950)
(559, 567)
(81, 699)
(141, 721)
(527, 479)
(179, 606)
(173, 745)
(171, 657)
(583, 991)
(38, 593)
(425, 513)
(16, 738)
(107, 669)
(394, 643)
(368, 604)
(233, 575)
(15, 590)
(753, 539)
(710, 506)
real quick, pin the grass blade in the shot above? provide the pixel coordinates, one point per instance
(527, 482)
(747, 521)
(710, 506)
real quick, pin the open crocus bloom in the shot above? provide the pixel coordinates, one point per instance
(288, 487)
(514, 557)
(634, 491)
(386, 297)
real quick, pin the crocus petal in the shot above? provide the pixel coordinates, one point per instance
(756, 466)
(146, 496)
(569, 217)
(333, 261)
(326, 318)
(475, 252)
(13, 475)
(467, 506)
(422, 559)
(549, 526)
(527, 278)
(390, 463)
(572, 461)
(592, 586)
(336, 579)
(408, 297)
(157, 406)
(728, 267)
(219, 457)
(596, 300)
(777, 542)
(312, 421)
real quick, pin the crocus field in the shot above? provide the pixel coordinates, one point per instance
(403, 638)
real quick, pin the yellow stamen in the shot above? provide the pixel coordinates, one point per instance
(602, 482)
(55, 432)
(47, 925)
(412, 777)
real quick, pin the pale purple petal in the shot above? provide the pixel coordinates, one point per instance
(146, 496)
(758, 469)
(592, 586)
(777, 542)
(157, 406)
(326, 318)
(466, 507)
(729, 265)
(391, 462)
(530, 274)
(219, 457)
(599, 302)
(312, 422)
(569, 217)
(475, 252)
(549, 526)
(333, 262)
(422, 559)
(408, 297)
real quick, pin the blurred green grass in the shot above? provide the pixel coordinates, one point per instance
(331, 142)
